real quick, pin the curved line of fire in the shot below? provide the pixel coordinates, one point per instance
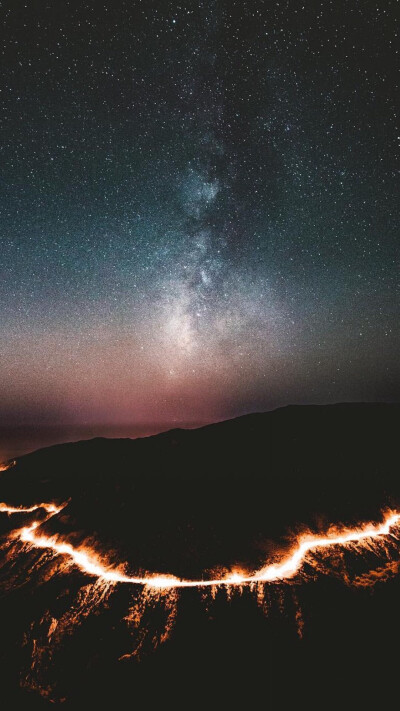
(89, 562)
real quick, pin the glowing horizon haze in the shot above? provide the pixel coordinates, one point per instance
(198, 210)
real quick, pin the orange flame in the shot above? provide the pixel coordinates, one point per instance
(50, 508)
(89, 562)
(4, 466)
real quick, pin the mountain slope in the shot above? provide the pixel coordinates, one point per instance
(228, 496)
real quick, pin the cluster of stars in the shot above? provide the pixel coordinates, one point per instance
(198, 208)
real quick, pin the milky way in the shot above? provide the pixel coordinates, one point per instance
(198, 209)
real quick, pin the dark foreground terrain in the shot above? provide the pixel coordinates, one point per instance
(189, 501)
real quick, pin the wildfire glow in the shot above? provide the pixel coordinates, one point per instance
(4, 466)
(149, 609)
(50, 508)
(89, 562)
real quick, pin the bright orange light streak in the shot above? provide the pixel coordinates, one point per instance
(4, 466)
(50, 508)
(89, 562)
(291, 565)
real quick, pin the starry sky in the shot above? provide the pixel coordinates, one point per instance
(198, 208)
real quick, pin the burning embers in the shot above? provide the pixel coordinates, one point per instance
(304, 548)
(148, 604)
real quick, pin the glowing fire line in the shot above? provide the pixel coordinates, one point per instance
(5, 466)
(90, 563)
(50, 508)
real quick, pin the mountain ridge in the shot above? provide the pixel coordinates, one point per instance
(233, 421)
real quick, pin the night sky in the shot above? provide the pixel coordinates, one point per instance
(198, 208)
